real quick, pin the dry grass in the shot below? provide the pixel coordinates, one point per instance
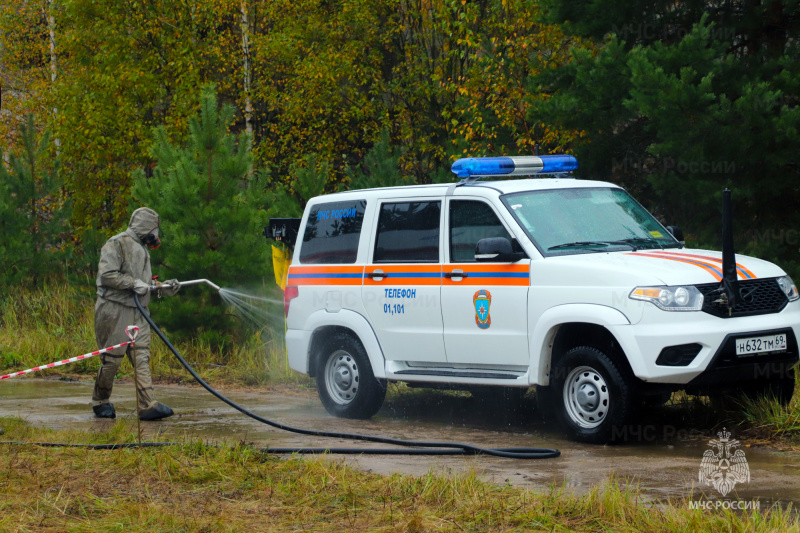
(194, 487)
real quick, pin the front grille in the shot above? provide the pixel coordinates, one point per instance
(766, 297)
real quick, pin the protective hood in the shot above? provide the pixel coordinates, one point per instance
(143, 221)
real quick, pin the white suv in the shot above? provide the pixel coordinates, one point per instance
(566, 284)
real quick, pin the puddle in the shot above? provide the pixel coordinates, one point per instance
(661, 468)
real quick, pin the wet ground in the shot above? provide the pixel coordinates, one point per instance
(660, 458)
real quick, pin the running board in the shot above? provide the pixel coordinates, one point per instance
(457, 374)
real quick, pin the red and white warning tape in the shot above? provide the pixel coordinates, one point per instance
(65, 361)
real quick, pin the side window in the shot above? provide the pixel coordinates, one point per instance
(471, 221)
(332, 233)
(408, 232)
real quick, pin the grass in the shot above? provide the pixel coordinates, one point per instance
(235, 487)
(770, 420)
(57, 322)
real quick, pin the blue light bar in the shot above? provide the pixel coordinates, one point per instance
(483, 166)
(558, 164)
(513, 166)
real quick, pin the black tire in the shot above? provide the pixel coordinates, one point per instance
(593, 399)
(345, 382)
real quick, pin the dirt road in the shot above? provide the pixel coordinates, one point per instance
(661, 460)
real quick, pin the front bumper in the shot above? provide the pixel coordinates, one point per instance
(716, 362)
(727, 369)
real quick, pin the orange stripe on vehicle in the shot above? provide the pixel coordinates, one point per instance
(708, 268)
(744, 273)
(409, 274)
(513, 275)
(325, 275)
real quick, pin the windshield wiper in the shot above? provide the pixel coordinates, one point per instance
(641, 240)
(650, 240)
(590, 243)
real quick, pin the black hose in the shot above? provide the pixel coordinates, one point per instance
(307, 451)
(441, 448)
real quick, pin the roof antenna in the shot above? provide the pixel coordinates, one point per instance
(730, 283)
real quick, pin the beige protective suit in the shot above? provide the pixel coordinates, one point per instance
(125, 268)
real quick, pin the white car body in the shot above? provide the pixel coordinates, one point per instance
(424, 327)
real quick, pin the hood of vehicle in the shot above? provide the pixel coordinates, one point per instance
(656, 267)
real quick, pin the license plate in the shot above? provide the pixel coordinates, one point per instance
(756, 345)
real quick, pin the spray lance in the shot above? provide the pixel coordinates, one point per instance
(156, 286)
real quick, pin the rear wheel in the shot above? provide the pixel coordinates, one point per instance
(592, 395)
(345, 382)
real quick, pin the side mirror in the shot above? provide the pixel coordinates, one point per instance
(496, 250)
(676, 232)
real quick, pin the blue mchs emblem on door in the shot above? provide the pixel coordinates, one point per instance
(482, 300)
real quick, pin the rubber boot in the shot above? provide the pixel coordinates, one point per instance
(105, 410)
(156, 412)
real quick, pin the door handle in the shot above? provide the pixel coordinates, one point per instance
(376, 274)
(456, 274)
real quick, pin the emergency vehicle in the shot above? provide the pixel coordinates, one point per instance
(565, 284)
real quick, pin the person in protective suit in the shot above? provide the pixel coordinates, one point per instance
(125, 269)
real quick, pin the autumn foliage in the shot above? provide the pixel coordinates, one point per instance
(442, 79)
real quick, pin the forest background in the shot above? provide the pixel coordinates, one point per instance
(222, 113)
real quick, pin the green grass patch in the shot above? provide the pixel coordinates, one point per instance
(770, 420)
(236, 487)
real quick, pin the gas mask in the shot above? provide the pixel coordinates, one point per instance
(151, 240)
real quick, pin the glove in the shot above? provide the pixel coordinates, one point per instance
(140, 287)
(171, 287)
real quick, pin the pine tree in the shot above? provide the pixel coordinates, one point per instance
(380, 168)
(212, 210)
(33, 211)
(309, 176)
(680, 100)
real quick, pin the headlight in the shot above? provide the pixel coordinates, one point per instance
(789, 288)
(671, 298)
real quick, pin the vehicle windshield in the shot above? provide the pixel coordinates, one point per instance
(574, 221)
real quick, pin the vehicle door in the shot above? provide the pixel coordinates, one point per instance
(484, 304)
(402, 280)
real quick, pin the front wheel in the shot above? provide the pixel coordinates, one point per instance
(345, 382)
(594, 399)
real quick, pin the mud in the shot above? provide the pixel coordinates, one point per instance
(662, 461)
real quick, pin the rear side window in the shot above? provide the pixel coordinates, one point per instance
(471, 221)
(408, 232)
(332, 233)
